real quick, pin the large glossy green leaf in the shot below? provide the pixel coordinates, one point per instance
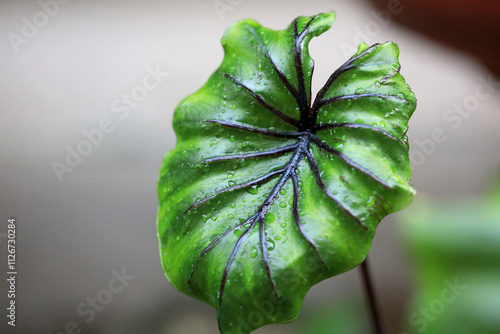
(269, 191)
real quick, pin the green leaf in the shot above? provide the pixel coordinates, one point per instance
(268, 191)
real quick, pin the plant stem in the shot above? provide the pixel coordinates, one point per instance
(371, 296)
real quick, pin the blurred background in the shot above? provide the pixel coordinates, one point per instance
(103, 78)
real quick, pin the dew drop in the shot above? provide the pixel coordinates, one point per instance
(283, 204)
(270, 218)
(252, 190)
(253, 252)
(271, 244)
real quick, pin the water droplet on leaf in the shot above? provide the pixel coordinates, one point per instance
(270, 218)
(271, 244)
(253, 252)
(252, 190)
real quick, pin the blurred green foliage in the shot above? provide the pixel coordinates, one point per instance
(455, 248)
(344, 317)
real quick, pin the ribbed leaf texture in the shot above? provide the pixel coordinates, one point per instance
(270, 191)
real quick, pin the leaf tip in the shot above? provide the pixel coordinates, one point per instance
(321, 22)
(328, 17)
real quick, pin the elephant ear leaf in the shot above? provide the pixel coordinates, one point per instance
(270, 191)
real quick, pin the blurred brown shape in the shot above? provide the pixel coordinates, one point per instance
(473, 26)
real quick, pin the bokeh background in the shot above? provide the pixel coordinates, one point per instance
(67, 72)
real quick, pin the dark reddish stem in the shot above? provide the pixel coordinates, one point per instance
(371, 297)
